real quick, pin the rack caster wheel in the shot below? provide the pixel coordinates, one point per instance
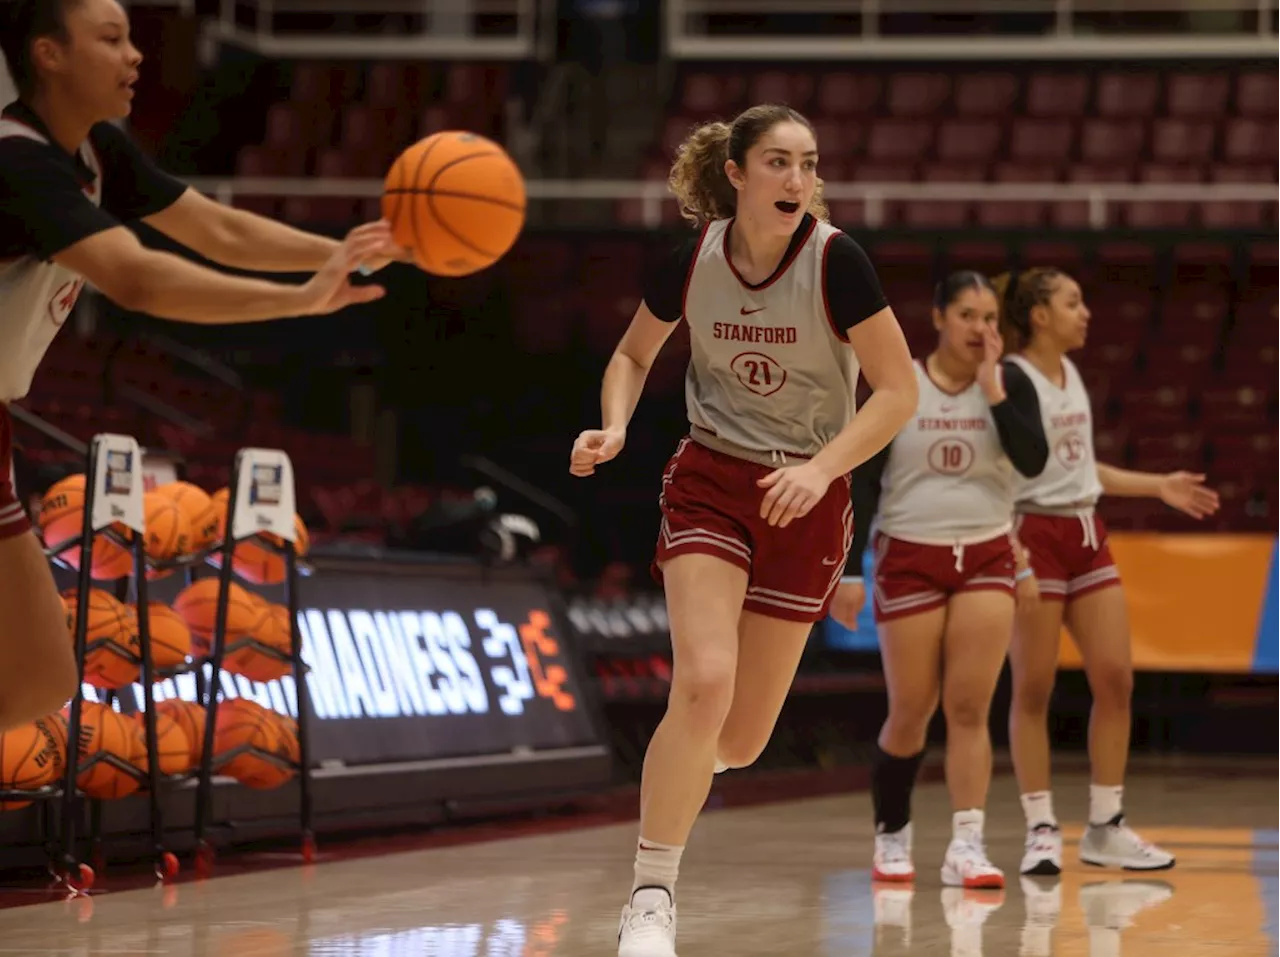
(79, 879)
(204, 860)
(167, 866)
(308, 849)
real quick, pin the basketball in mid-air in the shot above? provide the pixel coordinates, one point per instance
(457, 200)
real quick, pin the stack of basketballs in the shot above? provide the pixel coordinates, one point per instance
(181, 519)
(252, 744)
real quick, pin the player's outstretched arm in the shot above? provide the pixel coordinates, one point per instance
(1184, 491)
(170, 287)
(243, 240)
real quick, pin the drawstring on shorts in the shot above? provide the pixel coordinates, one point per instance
(957, 550)
(1090, 529)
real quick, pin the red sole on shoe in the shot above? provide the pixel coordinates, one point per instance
(878, 878)
(987, 882)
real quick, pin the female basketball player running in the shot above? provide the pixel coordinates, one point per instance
(756, 514)
(68, 180)
(945, 571)
(1045, 317)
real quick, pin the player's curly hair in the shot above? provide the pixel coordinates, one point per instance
(1019, 293)
(21, 22)
(698, 179)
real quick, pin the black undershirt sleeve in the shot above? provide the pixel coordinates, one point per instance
(1019, 424)
(664, 285)
(865, 492)
(133, 187)
(43, 207)
(852, 286)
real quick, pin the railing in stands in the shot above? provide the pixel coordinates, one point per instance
(654, 193)
(51, 431)
(969, 29)
(380, 29)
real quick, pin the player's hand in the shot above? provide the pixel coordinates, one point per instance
(388, 251)
(595, 447)
(988, 375)
(847, 602)
(793, 492)
(331, 289)
(1187, 492)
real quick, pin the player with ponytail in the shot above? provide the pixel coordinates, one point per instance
(783, 309)
(1043, 317)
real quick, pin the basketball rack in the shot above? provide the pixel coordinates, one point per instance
(261, 502)
(112, 498)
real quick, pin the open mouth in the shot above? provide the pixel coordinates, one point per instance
(787, 207)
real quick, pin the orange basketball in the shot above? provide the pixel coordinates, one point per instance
(250, 661)
(457, 200)
(172, 746)
(202, 518)
(113, 629)
(197, 604)
(287, 730)
(168, 528)
(188, 716)
(28, 761)
(104, 733)
(55, 728)
(245, 723)
(62, 518)
(170, 636)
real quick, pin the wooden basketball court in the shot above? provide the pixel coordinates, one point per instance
(786, 879)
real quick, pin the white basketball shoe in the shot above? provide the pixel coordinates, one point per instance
(892, 860)
(1043, 856)
(648, 925)
(1115, 844)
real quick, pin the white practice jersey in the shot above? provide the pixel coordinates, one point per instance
(769, 370)
(1069, 481)
(35, 296)
(947, 479)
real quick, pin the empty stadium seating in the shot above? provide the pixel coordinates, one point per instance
(1070, 125)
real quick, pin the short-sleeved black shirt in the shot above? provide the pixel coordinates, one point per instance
(43, 206)
(853, 289)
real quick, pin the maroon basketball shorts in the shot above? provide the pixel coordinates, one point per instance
(711, 506)
(911, 578)
(1069, 554)
(13, 519)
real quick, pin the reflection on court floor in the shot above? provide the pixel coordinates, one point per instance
(787, 879)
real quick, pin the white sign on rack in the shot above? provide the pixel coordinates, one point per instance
(265, 495)
(117, 482)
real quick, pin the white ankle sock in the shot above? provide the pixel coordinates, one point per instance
(1038, 807)
(967, 824)
(657, 865)
(1105, 802)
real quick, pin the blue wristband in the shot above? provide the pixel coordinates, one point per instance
(1023, 575)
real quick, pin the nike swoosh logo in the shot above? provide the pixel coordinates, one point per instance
(948, 408)
(830, 561)
(747, 312)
